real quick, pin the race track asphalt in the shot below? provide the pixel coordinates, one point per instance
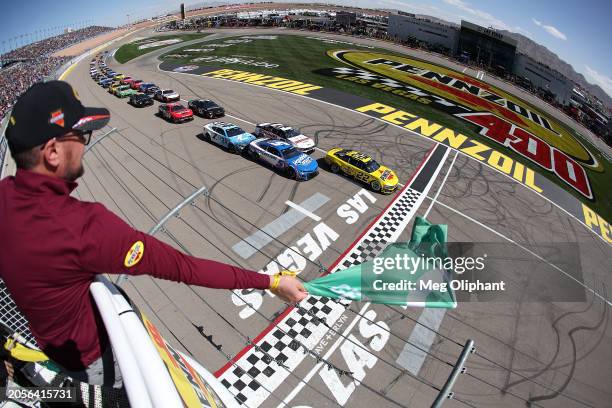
(148, 166)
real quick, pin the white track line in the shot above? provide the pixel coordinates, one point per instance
(411, 357)
(441, 185)
(303, 210)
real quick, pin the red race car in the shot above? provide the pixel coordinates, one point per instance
(136, 84)
(175, 112)
(127, 80)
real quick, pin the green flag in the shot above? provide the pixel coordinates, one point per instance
(409, 273)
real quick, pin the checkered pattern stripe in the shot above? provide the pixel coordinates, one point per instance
(12, 318)
(360, 73)
(258, 372)
(385, 231)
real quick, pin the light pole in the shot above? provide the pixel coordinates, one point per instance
(128, 19)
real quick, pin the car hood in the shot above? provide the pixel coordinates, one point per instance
(244, 138)
(184, 112)
(303, 162)
(302, 141)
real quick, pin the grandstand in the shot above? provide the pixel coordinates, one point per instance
(23, 66)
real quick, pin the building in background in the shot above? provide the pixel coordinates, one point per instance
(408, 27)
(544, 79)
(486, 47)
(346, 18)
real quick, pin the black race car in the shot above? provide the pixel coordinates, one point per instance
(151, 90)
(140, 100)
(206, 108)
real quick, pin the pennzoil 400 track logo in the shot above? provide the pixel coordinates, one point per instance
(501, 117)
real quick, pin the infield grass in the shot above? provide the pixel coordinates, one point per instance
(130, 51)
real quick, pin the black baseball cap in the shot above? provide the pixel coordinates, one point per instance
(47, 110)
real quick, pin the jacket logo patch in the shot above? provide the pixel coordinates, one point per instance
(134, 255)
(57, 118)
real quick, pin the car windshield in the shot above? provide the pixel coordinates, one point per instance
(178, 107)
(169, 91)
(124, 87)
(291, 133)
(290, 153)
(372, 166)
(235, 131)
(209, 104)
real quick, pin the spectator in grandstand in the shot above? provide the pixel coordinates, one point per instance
(14, 80)
(26, 65)
(54, 244)
(53, 44)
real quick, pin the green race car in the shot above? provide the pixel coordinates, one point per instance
(124, 91)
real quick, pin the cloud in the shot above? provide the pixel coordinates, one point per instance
(554, 31)
(483, 18)
(416, 8)
(599, 79)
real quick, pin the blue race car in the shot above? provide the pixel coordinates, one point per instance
(283, 156)
(145, 86)
(228, 135)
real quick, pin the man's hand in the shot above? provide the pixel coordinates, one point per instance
(289, 289)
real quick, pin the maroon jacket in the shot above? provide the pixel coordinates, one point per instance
(53, 245)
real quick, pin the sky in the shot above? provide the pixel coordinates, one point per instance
(579, 32)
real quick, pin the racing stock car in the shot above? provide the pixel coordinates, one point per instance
(175, 112)
(228, 135)
(278, 131)
(206, 108)
(136, 84)
(123, 91)
(283, 156)
(362, 167)
(167, 95)
(140, 100)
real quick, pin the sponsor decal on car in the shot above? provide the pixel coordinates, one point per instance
(303, 160)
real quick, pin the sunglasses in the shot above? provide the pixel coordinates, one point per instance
(83, 137)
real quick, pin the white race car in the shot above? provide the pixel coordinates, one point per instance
(279, 131)
(166, 95)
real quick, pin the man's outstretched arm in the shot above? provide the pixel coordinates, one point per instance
(112, 246)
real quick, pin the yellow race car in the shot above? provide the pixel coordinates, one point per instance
(113, 87)
(363, 168)
(118, 77)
